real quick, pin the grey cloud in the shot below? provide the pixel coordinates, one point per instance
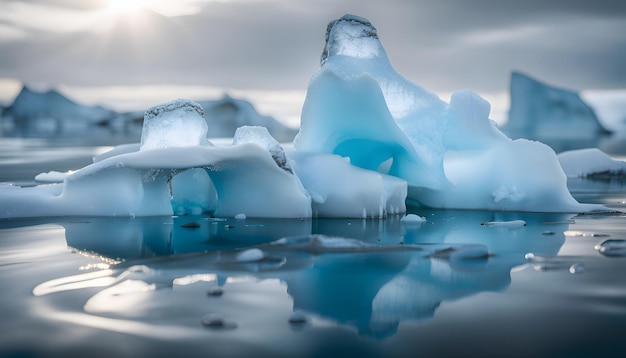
(277, 44)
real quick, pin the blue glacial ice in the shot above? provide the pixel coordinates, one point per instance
(370, 142)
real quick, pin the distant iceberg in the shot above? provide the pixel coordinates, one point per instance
(590, 163)
(542, 112)
(225, 115)
(49, 112)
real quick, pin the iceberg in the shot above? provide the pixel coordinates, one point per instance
(225, 115)
(370, 142)
(450, 154)
(50, 112)
(539, 111)
(138, 183)
(590, 162)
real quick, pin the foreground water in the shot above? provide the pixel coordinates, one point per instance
(200, 286)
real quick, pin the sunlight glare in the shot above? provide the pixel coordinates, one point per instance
(125, 7)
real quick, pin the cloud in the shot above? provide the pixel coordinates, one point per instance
(276, 44)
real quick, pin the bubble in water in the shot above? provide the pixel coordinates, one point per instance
(529, 257)
(576, 268)
(612, 247)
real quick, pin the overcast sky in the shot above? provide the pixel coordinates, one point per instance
(99, 51)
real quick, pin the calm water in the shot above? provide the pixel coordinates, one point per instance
(153, 287)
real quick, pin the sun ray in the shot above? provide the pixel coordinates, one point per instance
(126, 7)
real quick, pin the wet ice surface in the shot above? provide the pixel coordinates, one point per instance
(164, 285)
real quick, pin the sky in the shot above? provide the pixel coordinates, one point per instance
(132, 54)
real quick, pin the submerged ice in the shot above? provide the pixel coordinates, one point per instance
(370, 142)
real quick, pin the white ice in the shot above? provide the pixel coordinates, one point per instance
(590, 161)
(450, 154)
(370, 141)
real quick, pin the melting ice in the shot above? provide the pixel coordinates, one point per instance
(370, 141)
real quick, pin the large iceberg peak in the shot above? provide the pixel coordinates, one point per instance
(352, 36)
(178, 123)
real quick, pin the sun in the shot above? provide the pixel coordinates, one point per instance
(125, 7)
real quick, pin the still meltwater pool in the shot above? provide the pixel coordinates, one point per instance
(199, 286)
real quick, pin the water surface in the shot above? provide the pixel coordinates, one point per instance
(446, 287)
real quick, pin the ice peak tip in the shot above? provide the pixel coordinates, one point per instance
(351, 35)
(181, 103)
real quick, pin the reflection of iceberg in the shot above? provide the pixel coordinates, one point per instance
(372, 284)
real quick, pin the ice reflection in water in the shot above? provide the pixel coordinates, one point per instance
(368, 274)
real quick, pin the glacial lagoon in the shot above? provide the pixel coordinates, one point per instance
(204, 286)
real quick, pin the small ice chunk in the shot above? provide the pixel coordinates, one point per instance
(511, 223)
(612, 248)
(583, 233)
(216, 321)
(413, 218)
(577, 268)
(240, 216)
(297, 317)
(179, 123)
(250, 255)
(215, 291)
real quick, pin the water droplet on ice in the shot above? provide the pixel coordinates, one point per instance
(577, 268)
(529, 257)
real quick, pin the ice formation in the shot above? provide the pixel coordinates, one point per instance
(50, 112)
(590, 162)
(539, 111)
(370, 141)
(225, 115)
(450, 154)
(134, 182)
